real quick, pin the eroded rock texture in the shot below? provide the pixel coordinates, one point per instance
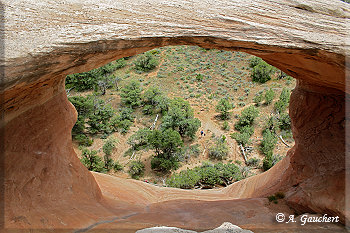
(46, 187)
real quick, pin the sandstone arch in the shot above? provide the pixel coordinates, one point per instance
(45, 184)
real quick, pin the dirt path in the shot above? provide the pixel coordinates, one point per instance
(209, 124)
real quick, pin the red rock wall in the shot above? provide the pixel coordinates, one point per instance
(41, 168)
(318, 160)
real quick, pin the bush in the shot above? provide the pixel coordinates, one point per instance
(270, 160)
(186, 179)
(254, 61)
(283, 102)
(92, 161)
(285, 122)
(262, 72)
(109, 146)
(164, 165)
(131, 94)
(206, 176)
(120, 63)
(117, 166)
(243, 137)
(83, 140)
(149, 97)
(209, 176)
(220, 150)
(93, 112)
(269, 95)
(145, 62)
(224, 106)
(272, 124)
(257, 99)
(268, 143)
(247, 117)
(225, 126)
(89, 80)
(253, 162)
(179, 117)
(139, 140)
(99, 120)
(136, 169)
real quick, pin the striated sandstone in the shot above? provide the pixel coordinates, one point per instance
(46, 187)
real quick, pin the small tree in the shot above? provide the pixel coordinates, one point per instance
(220, 150)
(145, 62)
(269, 95)
(224, 106)
(247, 117)
(283, 102)
(225, 126)
(262, 72)
(109, 145)
(136, 169)
(150, 95)
(268, 143)
(92, 161)
(258, 98)
(131, 94)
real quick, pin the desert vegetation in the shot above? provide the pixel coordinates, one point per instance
(182, 116)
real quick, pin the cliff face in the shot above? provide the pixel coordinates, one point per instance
(47, 187)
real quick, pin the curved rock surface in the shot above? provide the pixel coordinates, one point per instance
(46, 187)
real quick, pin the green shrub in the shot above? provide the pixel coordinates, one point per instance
(270, 160)
(285, 122)
(254, 61)
(92, 161)
(89, 80)
(150, 96)
(247, 117)
(136, 169)
(120, 63)
(131, 94)
(99, 120)
(199, 77)
(194, 150)
(279, 195)
(220, 150)
(272, 124)
(269, 95)
(109, 164)
(209, 176)
(224, 106)
(262, 72)
(83, 140)
(229, 173)
(243, 137)
(164, 165)
(257, 99)
(253, 162)
(283, 102)
(145, 62)
(268, 143)
(179, 117)
(271, 198)
(148, 109)
(225, 126)
(139, 140)
(109, 145)
(117, 166)
(186, 179)
(206, 175)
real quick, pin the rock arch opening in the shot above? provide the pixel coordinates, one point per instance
(47, 187)
(129, 98)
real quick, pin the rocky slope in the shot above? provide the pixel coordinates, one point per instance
(46, 187)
